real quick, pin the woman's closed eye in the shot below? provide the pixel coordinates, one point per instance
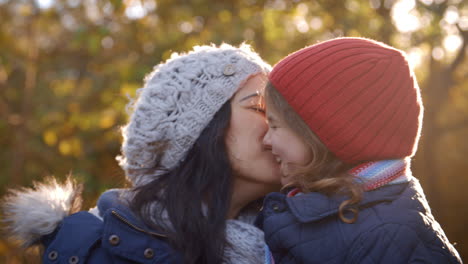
(258, 109)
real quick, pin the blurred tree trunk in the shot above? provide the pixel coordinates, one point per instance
(22, 134)
(436, 93)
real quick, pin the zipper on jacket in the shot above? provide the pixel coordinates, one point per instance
(121, 218)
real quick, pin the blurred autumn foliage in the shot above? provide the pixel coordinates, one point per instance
(66, 68)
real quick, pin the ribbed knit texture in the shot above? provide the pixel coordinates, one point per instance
(357, 95)
(178, 100)
(375, 174)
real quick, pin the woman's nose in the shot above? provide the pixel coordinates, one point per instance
(267, 139)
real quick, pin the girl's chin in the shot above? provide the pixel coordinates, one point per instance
(284, 169)
(285, 179)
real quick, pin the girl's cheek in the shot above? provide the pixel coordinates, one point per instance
(277, 140)
(276, 144)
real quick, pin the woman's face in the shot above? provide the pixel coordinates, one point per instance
(252, 162)
(288, 148)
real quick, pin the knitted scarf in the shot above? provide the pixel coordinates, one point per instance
(375, 174)
(246, 243)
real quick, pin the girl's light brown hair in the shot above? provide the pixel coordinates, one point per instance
(325, 173)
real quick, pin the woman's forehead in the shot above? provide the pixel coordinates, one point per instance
(254, 87)
(249, 96)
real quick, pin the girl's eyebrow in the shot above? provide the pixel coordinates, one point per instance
(249, 96)
(270, 119)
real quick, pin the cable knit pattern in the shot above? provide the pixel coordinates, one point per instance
(178, 100)
(246, 242)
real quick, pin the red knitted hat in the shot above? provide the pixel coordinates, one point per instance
(358, 96)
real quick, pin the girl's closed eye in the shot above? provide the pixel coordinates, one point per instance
(272, 125)
(272, 122)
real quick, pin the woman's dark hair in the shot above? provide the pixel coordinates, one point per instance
(202, 179)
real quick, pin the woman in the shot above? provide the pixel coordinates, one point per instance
(194, 155)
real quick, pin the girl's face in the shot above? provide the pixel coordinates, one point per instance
(288, 148)
(252, 162)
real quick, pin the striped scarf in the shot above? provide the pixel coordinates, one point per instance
(375, 174)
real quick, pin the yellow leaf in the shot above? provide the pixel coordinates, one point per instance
(50, 137)
(65, 147)
(107, 120)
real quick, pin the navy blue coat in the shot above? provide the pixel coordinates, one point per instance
(395, 225)
(118, 238)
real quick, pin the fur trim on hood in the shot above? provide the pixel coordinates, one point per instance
(30, 213)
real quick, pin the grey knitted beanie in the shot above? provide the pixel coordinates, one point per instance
(178, 100)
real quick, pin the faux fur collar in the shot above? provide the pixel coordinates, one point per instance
(30, 213)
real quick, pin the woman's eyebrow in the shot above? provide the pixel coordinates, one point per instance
(249, 96)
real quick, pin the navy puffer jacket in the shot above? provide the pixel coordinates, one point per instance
(395, 225)
(118, 237)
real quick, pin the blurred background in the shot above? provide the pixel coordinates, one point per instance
(66, 68)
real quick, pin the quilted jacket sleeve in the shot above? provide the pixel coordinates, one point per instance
(397, 243)
(76, 240)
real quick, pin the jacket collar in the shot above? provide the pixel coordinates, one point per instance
(310, 207)
(111, 204)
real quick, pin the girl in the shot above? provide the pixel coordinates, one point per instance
(193, 153)
(344, 120)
